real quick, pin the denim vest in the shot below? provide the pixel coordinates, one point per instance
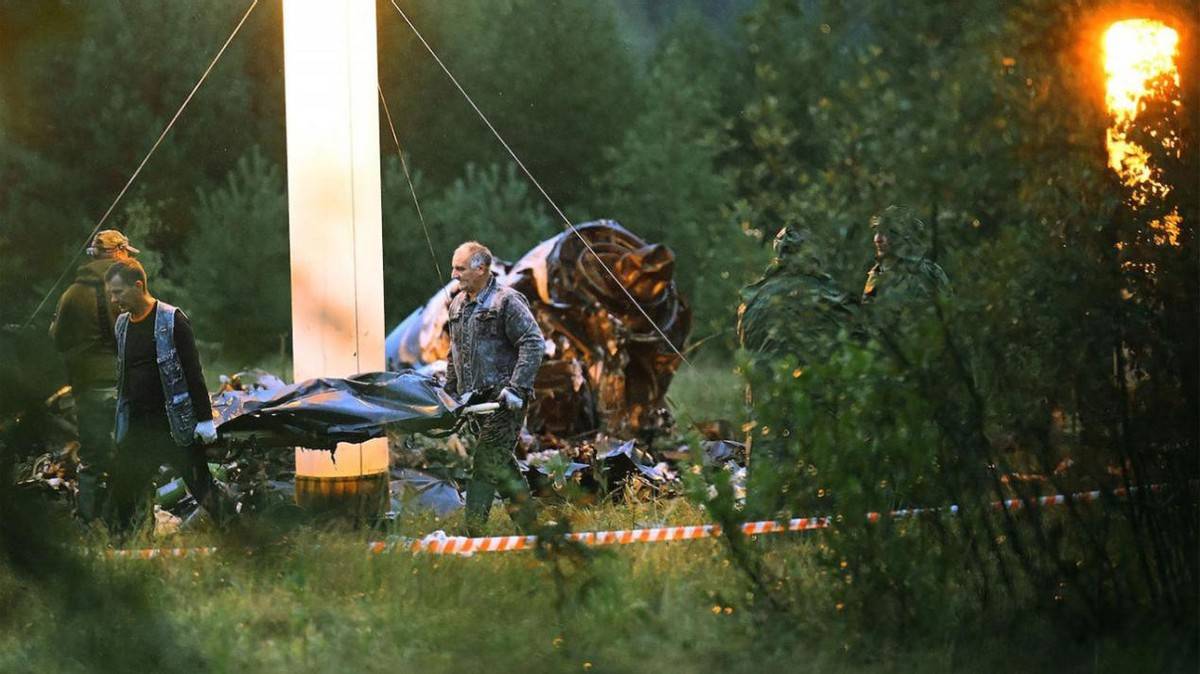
(482, 353)
(180, 414)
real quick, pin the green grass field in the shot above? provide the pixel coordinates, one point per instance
(283, 595)
(312, 600)
(707, 391)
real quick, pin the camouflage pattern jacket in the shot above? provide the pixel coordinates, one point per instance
(793, 311)
(494, 342)
(904, 279)
(906, 271)
(83, 329)
(796, 308)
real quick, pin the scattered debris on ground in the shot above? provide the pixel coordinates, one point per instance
(262, 417)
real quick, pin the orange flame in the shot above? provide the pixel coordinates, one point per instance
(1137, 52)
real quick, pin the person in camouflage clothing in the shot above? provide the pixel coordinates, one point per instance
(496, 348)
(902, 270)
(82, 331)
(796, 309)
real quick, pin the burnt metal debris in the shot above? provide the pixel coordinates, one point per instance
(606, 368)
(599, 401)
(260, 419)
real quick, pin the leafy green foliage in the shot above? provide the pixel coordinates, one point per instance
(237, 280)
(96, 83)
(492, 204)
(537, 69)
(100, 83)
(668, 183)
(1067, 350)
(1058, 354)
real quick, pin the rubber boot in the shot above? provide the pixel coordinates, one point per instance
(480, 494)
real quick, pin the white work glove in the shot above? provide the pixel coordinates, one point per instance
(511, 401)
(206, 432)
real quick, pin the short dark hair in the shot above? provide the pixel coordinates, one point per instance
(130, 271)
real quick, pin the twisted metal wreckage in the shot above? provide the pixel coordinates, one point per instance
(599, 394)
(606, 368)
(606, 300)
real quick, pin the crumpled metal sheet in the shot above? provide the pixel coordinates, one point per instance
(549, 472)
(56, 471)
(417, 340)
(417, 490)
(320, 413)
(240, 390)
(721, 452)
(607, 368)
(624, 468)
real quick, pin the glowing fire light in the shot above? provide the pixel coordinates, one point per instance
(1137, 53)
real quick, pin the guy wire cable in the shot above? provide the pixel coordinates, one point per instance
(71, 265)
(404, 165)
(538, 185)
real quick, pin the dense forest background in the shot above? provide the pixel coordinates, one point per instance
(705, 125)
(618, 108)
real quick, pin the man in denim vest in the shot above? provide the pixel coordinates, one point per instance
(496, 348)
(163, 409)
(82, 331)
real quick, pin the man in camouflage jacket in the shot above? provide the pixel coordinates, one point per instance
(496, 348)
(795, 310)
(83, 332)
(903, 270)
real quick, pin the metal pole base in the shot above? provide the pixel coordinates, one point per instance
(357, 496)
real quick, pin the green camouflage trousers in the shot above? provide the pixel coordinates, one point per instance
(95, 410)
(493, 469)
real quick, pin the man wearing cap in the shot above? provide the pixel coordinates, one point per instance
(82, 331)
(496, 348)
(163, 409)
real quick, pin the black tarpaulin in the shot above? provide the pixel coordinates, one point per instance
(320, 413)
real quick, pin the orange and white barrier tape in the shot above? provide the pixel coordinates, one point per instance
(440, 544)
(459, 545)
(159, 553)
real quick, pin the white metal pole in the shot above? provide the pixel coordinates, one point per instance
(335, 222)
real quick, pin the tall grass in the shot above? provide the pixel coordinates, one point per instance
(310, 599)
(707, 390)
(294, 596)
